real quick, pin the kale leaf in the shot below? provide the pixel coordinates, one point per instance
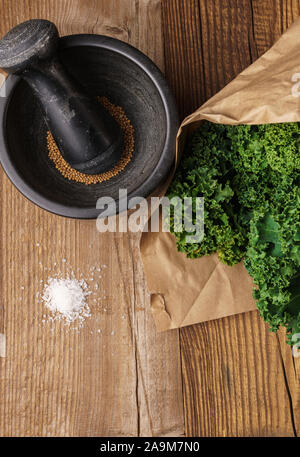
(249, 177)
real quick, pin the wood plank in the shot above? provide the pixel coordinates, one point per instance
(239, 379)
(234, 381)
(116, 376)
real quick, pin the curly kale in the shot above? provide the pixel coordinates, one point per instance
(249, 177)
(206, 171)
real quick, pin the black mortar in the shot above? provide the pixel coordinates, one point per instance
(104, 67)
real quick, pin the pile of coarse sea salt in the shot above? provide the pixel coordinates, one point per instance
(66, 298)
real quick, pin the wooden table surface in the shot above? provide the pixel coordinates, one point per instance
(117, 376)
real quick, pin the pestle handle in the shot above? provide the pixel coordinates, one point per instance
(88, 137)
(27, 42)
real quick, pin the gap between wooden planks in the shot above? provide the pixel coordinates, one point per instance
(124, 380)
(239, 380)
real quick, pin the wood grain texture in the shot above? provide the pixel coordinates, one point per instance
(239, 379)
(116, 376)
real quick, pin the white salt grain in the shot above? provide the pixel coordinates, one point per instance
(67, 298)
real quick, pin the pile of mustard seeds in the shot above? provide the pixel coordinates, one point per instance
(128, 138)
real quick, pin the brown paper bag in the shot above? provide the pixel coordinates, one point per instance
(187, 291)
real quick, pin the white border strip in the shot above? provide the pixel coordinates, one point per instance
(2, 345)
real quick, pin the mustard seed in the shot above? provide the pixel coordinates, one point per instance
(128, 138)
